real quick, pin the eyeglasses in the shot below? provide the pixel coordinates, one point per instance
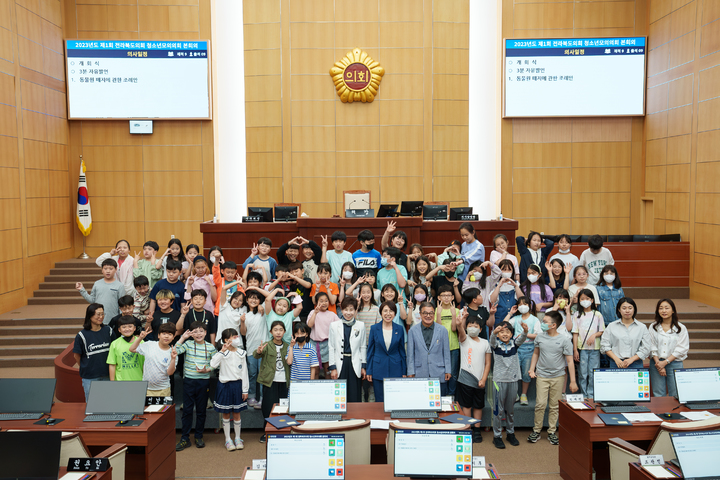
(426, 314)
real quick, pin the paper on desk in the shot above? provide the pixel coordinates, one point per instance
(578, 406)
(255, 475)
(379, 424)
(642, 417)
(75, 475)
(703, 415)
(480, 473)
(658, 472)
(154, 408)
(314, 422)
(280, 409)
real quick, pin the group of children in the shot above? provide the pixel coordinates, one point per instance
(317, 305)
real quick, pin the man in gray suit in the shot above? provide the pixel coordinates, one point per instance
(428, 348)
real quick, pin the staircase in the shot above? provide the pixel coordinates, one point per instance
(59, 287)
(703, 328)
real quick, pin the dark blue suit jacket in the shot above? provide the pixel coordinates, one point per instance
(383, 362)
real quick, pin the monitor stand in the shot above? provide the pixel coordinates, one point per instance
(618, 404)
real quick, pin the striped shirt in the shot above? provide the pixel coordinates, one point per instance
(303, 359)
(197, 355)
(369, 317)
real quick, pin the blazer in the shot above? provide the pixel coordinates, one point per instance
(336, 345)
(381, 361)
(526, 258)
(422, 362)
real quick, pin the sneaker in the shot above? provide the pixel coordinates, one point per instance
(523, 399)
(182, 445)
(512, 440)
(230, 446)
(252, 402)
(262, 439)
(533, 437)
(209, 404)
(497, 441)
(476, 436)
(199, 443)
(517, 398)
(239, 444)
(258, 405)
(553, 438)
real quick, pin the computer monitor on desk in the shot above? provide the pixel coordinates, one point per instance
(317, 396)
(433, 453)
(30, 455)
(621, 386)
(697, 454)
(26, 398)
(412, 397)
(305, 457)
(115, 401)
(698, 386)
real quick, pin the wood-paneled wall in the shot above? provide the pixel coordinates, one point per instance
(35, 200)
(582, 175)
(143, 187)
(683, 132)
(305, 146)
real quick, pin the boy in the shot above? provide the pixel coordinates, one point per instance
(141, 297)
(166, 313)
(564, 245)
(126, 304)
(198, 314)
(552, 352)
(448, 316)
(595, 258)
(160, 360)
(452, 252)
(172, 283)
(444, 275)
(312, 253)
(319, 321)
(301, 357)
(290, 252)
(106, 291)
(395, 238)
(146, 265)
(124, 365)
(325, 285)
(506, 373)
(392, 270)
(260, 258)
(223, 274)
(475, 362)
(338, 256)
(281, 280)
(196, 382)
(475, 309)
(302, 286)
(367, 259)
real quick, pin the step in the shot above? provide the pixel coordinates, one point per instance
(74, 300)
(76, 271)
(77, 263)
(12, 361)
(700, 333)
(19, 350)
(704, 354)
(27, 322)
(705, 324)
(657, 292)
(66, 292)
(36, 340)
(51, 285)
(682, 316)
(72, 279)
(32, 330)
(704, 344)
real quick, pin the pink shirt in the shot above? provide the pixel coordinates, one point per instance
(321, 329)
(495, 256)
(202, 284)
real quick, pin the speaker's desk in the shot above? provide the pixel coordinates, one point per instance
(377, 472)
(106, 475)
(639, 473)
(151, 446)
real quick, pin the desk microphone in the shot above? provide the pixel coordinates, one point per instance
(350, 206)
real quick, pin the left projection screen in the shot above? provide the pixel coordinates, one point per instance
(110, 79)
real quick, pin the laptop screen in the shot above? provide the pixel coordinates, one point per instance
(412, 394)
(621, 385)
(35, 455)
(317, 396)
(26, 395)
(433, 453)
(116, 398)
(697, 453)
(305, 457)
(698, 384)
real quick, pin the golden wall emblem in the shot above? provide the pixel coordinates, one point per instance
(357, 77)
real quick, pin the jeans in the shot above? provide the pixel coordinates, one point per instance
(589, 360)
(525, 353)
(195, 397)
(454, 370)
(86, 385)
(660, 383)
(253, 365)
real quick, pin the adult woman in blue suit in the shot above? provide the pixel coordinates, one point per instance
(386, 350)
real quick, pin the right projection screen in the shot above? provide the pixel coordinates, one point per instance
(574, 77)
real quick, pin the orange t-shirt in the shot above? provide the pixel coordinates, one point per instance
(332, 289)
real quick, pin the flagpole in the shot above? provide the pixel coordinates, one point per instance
(83, 255)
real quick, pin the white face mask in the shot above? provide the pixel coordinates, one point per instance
(585, 303)
(609, 278)
(347, 275)
(473, 332)
(533, 278)
(523, 309)
(564, 251)
(506, 274)
(236, 342)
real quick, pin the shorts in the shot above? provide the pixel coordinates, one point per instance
(165, 392)
(324, 351)
(470, 397)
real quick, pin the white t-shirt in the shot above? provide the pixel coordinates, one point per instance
(472, 356)
(257, 332)
(279, 365)
(572, 290)
(595, 263)
(567, 258)
(156, 364)
(230, 318)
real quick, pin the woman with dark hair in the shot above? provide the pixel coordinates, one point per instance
(386, 350)
(669, 345)
(91, 348)
(626, 341)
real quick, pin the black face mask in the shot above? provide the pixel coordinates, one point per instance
(300, 339)
(450, 274)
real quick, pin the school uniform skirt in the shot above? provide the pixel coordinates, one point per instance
(228, 398)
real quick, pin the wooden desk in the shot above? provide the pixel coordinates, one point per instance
(376, 472)
(151, 446)
(639, 473)
(106, 475)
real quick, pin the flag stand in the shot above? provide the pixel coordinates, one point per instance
(84, 256)
(83, 209)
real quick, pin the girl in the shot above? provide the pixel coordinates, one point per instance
(390, 294)
(478, 279)
(202, 279)
(669, 345)
(472, 250)
(282, 312)
(348, 276)
(368, 312)
(347, 349)
(416, 251)
(174, 251)
(232, 389)
(390, 361)
(526, 308)
(91, 347)
(301, 356)
(535, 288)
(531, 253)
(609, 289)
(580, 282)
(564, 243)
(125, 269)
(255, 329)
(588, 327)
(500, 253)
(274, 374)
(626, 341)
(558, 274)
(191, 251)
(420, 294)
(507, 291)
(232, 311)
(319, 321)
(421, 267)
(452, 253)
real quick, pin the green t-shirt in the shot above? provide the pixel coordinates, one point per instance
(446, 319)
(128, 365)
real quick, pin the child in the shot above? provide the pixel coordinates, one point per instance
(535, 288)
(319, 321)
(92, 345)
(196, 382)
(472, 250)
(290, 252)
(500, 253)
(562, 306)
(507, 291)
(260, 258)
(300, 284)
(445, 275)
(581, 282)
(125, 269)
(564, 245)
(530, 253)
(106, 291)
(198, 314)
(281, 313)
(475, 361)
(256, 333)
(595, 258)
(311, 253)
(368, 312)
(352, 289)
(325, 285)
(452, 253)
(367, 259)
(232, 389)
(347, 349)
(166, 313)
(191, 251)
(225, 273)
(202, 280)
(609, 290)
(338, 256)
(416, 251)
(588, 327)
(301, 357)
(232, 312)
(478, 279)
(526, 308)
(146, 265)
(171, 282)
(478, 312)
(420, 294)
(552, 353)
(447, 315)
(174, 252)
(396, 239)
(348, 277)
(558, 274)
(274, 374)
(141, 298)
(422, 267)
(124, 365)
(506, 373)
(126, 305)
(160, 359)
(392, 271)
